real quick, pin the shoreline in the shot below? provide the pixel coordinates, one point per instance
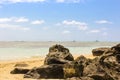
(35, 44)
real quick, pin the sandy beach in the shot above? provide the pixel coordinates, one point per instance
(7, 66)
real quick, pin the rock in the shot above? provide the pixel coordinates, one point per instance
(117, 52)
(58, 54)
(116, 47)
(19, 71)
(110, 63)
(99, 51)
(47, 72)
(82, 60)
(73, 70)
(101, 77)
(60, 64)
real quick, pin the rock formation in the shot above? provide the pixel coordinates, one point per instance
(99, 51)
(58, 54)
(60, 64)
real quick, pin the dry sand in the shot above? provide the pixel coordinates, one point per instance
(7, 66)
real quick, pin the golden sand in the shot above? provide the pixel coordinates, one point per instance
(7, 66)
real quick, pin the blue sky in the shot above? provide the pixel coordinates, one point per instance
(59, 20)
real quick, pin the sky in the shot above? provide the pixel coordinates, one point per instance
(59, 20)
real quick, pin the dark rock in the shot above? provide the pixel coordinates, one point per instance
(116, 47)
(99, 51)
(47, 72)
(101, 77)
(83, 60)
(58, 54)
(19, 71)
(110, 63)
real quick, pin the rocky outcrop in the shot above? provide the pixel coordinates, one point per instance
(59, 64)
(54, 71)
(99, 51)
(58, 54)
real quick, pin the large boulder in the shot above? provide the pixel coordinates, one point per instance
(58, 54)
(46, 71)
(99, 51)
(76, 68)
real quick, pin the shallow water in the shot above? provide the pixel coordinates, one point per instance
(17, 52)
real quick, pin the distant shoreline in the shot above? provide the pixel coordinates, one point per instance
(50, 43)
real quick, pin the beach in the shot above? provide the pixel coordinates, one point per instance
(7, 66)
(35, 61)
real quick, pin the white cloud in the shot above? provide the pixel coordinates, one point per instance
(5, 20)
(95, 31)
(13, 27)
(66, 32)
(20, 1)
(103, 22)
(36, 1)
(14, 19)
(73, 23)
(38, 22)
(68, 1)
(21, 19)
(60, 1)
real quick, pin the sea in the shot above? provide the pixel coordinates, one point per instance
(24, 49)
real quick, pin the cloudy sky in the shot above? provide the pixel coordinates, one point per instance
(59, 20)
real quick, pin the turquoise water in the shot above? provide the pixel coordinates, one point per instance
(16, 53)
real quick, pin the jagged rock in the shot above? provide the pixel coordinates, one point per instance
(47, 72)
(19, 71)
(110, 64)
(75, 69)
(116, 47)
(99, 51)
(58, 54)
(83, 60)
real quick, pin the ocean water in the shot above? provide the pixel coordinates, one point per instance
(18, 53)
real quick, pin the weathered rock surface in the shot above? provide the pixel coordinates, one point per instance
(58, 54)
(99, 51)
(54, 71)
(19, 71)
